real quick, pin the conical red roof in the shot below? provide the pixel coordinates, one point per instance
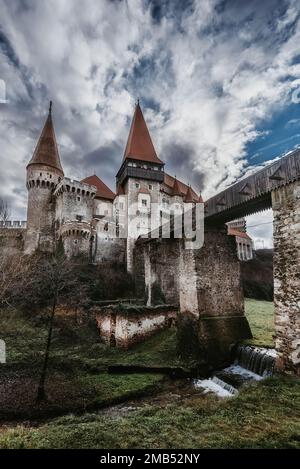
(139, 144)
(46, 151)
(169, 182)
(189, 196)
(103, 191)
(176, 189)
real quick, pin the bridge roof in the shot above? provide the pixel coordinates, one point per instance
(253, 193)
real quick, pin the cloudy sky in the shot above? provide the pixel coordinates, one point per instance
(218, 82)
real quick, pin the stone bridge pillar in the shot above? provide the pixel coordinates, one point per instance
(286, 210)
(207, 285)
(211, 319)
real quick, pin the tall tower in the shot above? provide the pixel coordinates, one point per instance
(140, 178)
(44, 171)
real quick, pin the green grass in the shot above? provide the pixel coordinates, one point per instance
(79, 345)
(75, 381)
(260, 315)
(264, 415)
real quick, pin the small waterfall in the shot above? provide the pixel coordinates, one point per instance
(224, 385)
(251, 363)
(216, 385)
(260, 361)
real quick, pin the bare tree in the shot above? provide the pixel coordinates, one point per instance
(49, 278)
(37, 282)
(13, 273)
(4, 210)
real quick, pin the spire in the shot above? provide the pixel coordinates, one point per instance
(189, 196)
(176, 189)
(46, 151)
(200, 200)
(139, 144)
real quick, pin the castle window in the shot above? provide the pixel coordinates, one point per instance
(121, 205)
(50, 176)
(144, 202)
(78, 198)
(41, 174)
(79, 217)
(105, 228)
(137, 185)
(150, 187)
(75, 241)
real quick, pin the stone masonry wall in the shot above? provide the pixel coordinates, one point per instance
(206, 283)
(156, 275)
(219, 284)
(41, 181)
(132, 192)
(12, 240)
(286, 210)
(109, 250)
(123, 329)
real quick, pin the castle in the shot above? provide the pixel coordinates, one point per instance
(202, 284)
(88, 216)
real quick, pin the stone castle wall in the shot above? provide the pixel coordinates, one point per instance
(109, 250)
(286, 210)
(206, 283)
(133, 193)
(12, 240)
(41, 181)
(74, 201)
(156, 267)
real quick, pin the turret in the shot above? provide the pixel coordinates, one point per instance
(140, 176)
(44, 171)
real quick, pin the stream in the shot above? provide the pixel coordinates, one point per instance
(250, 364)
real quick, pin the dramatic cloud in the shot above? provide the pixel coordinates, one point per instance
(211, 76)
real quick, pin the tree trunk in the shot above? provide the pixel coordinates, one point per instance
(41, 394)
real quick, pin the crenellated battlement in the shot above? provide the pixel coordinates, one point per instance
(71, 185)
(15, 224)
(40, 183)
(76, 229)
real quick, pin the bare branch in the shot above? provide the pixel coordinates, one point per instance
(5, 211)
(13, 271)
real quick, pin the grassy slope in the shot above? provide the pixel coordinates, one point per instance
(264, 415)
(260, 315)
(74, 382)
